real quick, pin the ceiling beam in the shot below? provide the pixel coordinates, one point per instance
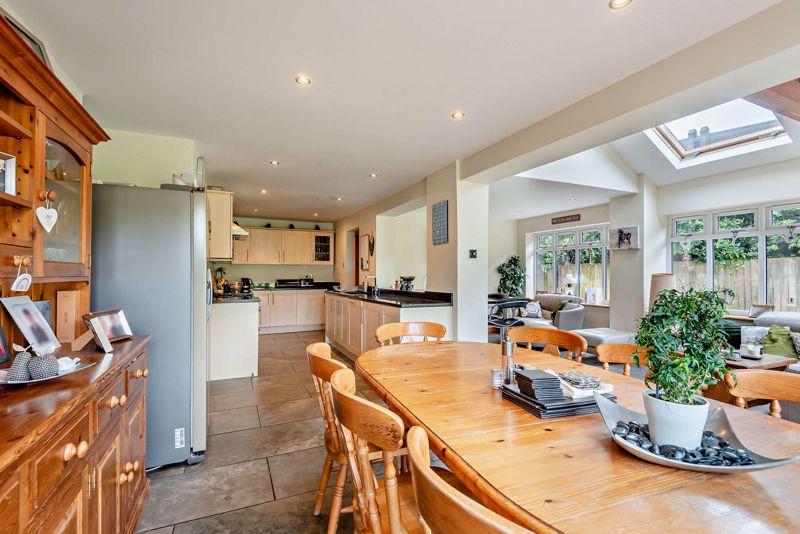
(783, 99)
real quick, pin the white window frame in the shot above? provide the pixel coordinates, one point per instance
(534, 249)
(763, 229)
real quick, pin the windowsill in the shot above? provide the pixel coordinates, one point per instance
(586, 305)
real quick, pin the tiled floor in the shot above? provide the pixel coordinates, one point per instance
(264, 454)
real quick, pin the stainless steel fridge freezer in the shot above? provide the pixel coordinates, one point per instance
(149, 258)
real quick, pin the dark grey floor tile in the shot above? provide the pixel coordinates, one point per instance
(162, 530)
(298, 472)
(233, 420)
(230, 385)
(286, 516)
(202, 493)
(286, 412)
(259, 395)
(233, 447)
(168, 471)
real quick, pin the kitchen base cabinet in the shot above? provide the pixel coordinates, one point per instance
(350, 324)
(233, 339)
(76, 463)
(290, 310)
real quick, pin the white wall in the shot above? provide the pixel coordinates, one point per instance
(442, 259)
(502, 245)
(142, 159)
(472, 233)
(400, 247)
(776, 182)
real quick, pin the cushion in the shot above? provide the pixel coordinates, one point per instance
(759, 309)
(533, 309)
(796, 341)
(599, 336)
(537, 323)
(558, 307)
(790, 319)
(547, 314)
(779, 342)
(754, 334)
(548, 302)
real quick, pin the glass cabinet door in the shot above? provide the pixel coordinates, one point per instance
(323, 248)
(63, 172)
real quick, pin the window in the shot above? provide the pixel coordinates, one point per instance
(759, 262)
(574, 262)
(729, 129)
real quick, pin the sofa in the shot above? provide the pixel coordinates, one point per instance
(570, 317)
(790, 319)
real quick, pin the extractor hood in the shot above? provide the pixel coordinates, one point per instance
(237, 230)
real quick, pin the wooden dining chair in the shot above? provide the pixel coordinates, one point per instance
(322, 367)
(386, 334)
(442, 508)
(621, 353)
(774, 386)
(383, 505)
(552, 339)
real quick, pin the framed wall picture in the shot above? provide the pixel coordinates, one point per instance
(32, 324)
(439, 223)
(363, 251)
(111, 323)
(625, 238)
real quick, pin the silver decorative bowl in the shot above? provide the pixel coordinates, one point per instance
(717, 423)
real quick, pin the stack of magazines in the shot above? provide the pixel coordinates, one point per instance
(542, 394)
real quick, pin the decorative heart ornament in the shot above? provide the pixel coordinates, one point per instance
(22, 283)
(47, 217)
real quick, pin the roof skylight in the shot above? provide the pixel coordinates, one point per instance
(729, 129)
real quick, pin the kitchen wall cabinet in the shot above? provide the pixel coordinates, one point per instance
(273, 246)
(310, 307)
(219, 212)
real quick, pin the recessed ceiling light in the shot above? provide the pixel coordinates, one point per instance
(572, 199)
(458, 115)
(263, 191)
(302, 80)
(339, 199)
(373, 175)
(619, 4)
(255, 210)
(316, 214)
(274, 162)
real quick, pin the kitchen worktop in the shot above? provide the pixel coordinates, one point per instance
(235, 300)
(316, 285)
(402, 299)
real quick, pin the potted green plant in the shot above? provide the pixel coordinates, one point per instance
(512, 277)
(686, 347)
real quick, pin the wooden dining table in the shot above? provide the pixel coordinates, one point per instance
(566, 474)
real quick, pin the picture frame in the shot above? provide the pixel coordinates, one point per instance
(8, 174)
(111, 324)
(5, 354)
(624, 238)
(32, 324)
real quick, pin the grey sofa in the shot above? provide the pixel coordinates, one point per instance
(790, 319)
(569, 318)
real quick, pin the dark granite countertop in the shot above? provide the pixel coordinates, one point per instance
(317, 286)
(402, 299)
(234, 300)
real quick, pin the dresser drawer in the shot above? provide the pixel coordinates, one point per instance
(60, 456)
(110, 404)
(136, 375)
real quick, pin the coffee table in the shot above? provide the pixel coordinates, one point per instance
(770, 362)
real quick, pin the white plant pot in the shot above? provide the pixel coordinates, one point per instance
(675, 424)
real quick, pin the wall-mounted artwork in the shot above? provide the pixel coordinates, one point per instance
(363, 251)
(439, 223)
(626, 238)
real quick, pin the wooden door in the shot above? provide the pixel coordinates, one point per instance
(283, 311)
(265, 246)
(310, 307)
(354, 324)
(373, 318)
(68, 515)
(330, 314)
(219, 212)
(241, 250)
(9, 505)
(296, 247)
(107, 487)
(264, 307)
(322, 248)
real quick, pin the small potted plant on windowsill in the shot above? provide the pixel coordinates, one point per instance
(686, 347)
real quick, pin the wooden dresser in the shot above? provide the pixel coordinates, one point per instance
(72, 450)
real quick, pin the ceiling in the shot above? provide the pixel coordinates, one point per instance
(386, 77)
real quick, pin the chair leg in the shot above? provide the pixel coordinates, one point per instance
(338, 495)
(323, 483)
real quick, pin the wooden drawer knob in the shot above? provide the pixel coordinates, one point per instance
(145, 373)
(123, 478)
(136, 465)
(130, 477)
(83, 449)
(138, 373)
(113, 402)
(123, 400)
(70, 450)
(128, 467)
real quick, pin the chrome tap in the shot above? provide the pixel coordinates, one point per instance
(376, 292)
